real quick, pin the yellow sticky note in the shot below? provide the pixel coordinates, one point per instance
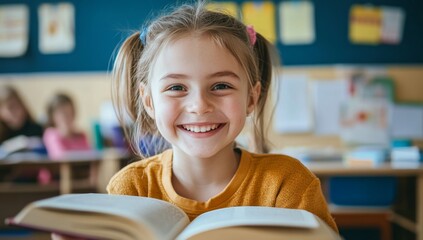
(262, 16)
(365, 24)
(230, 8)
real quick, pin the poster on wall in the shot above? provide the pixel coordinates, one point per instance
(376, 25)
(56, 28)
(296, 22)
(365, 24)
(13, 30)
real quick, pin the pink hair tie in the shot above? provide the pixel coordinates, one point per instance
(251, 34)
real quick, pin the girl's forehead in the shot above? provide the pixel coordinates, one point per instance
(64, 106)
(194, 52)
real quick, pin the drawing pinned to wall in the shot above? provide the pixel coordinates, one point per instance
(365, 24)
(262, 16)
(296, 22)
(56, 28)
(230, 8)
(13, 30)
(392, 24)
(365, 122)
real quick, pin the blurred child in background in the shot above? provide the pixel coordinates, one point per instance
(19, 133)
(62, 136)
(18, 130)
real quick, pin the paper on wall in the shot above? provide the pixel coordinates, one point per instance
(293, 113)
(296, 22)
(365, 122)
(13, 30)
(393, 24)
(56, 28)
(407, 121)
(328, 97)
(365, 24)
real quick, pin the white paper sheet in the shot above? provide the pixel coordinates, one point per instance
(392, 24)
(293, 113)
(56, 31)
(13, 30)
(328, 96)
(296, 22)
(407, 121)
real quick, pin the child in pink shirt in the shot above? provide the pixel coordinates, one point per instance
(62, 135)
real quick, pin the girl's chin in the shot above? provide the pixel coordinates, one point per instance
(202, 151)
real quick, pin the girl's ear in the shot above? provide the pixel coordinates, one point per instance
(253, 97)
(147, 101)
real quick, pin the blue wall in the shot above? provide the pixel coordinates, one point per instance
(101, 25)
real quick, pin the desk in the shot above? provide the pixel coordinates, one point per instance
(331, 169)
(103, 164)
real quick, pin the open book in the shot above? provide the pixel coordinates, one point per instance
(102, 216)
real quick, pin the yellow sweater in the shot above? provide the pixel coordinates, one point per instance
(261, 180)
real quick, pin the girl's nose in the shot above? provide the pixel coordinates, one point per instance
(199, 104)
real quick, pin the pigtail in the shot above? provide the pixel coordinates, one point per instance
(125, 86)
(265, 63)
(129, 76)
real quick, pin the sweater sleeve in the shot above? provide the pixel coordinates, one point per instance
(313, 201)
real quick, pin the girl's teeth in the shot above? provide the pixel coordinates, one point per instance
(202, 129)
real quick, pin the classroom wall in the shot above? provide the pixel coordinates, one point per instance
(101, 25)
(90, 90)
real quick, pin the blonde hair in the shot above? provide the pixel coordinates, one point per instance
(135, 60)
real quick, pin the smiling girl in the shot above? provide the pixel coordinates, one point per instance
(192, 77)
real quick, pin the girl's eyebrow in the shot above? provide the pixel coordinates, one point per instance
(224, 74)
(174, 76)
(213, 75)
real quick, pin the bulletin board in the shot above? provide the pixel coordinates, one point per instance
(101, 25)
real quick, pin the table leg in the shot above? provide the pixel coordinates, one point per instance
(65, 178)
(106, 169)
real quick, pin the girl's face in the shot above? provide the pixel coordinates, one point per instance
(63, 117)
(199, 96)
(12, 113)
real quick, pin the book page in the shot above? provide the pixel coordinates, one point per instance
(164, 219)
(249, 216)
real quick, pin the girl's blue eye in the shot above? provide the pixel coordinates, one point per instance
(176, 88)
(221, 86)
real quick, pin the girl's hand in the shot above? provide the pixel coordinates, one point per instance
(55, 236)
